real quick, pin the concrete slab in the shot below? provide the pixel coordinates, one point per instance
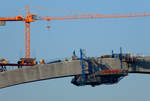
(39, 72)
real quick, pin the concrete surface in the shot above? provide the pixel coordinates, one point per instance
(39, 72)
(63, 69)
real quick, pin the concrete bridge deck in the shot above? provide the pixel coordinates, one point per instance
(39, 72)
(64, 69)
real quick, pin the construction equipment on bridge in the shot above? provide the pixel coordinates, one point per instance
(94, 73)
(19, 64)
(55, 61)
(86, 70)
(27, 61)
(28, 18)
(3, 61)
(42, 61)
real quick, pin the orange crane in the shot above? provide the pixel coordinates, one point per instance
(31, 18)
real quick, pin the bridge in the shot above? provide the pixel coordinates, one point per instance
(70, 68)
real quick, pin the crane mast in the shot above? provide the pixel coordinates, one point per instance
(27, 35)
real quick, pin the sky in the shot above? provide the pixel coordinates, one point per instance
(97, 36)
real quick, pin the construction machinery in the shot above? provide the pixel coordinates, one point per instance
(42, 61)
(27, 61)
(96, 73)
(22, 62)
(28, 18)
(3, 62)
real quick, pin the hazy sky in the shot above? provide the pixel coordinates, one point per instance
(97, 36)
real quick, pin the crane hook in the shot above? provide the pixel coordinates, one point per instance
(48, 26)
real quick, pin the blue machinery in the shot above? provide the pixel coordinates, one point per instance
(120, 57)
(93, 75)
(82, 64)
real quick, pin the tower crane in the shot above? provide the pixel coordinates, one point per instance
(28, 18)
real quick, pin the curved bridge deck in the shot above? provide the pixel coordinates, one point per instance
(63, 69)
(39, 72)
